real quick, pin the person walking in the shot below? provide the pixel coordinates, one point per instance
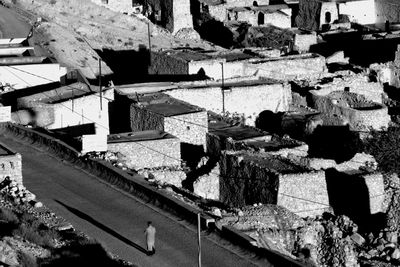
(150, 234)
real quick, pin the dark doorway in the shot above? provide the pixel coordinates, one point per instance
(261, 18)
(328, 17)
(255, 3)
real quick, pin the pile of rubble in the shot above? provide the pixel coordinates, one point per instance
(18, 193)
(164, 175)
(326, 240)
(115, 158)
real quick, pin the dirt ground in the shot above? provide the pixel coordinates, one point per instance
(74, 29)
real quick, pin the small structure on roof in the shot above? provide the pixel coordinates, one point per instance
(322, 14)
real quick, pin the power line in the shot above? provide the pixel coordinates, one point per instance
(180, 160)
(159, 114)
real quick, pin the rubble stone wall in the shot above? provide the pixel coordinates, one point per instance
(245, 183)
(149, 153)
(278, 19)
(303, 42)
(123, 6)
(218, 12)
(359, 119)
(305, 194)
(144, 120)
(181, 15)
(165, 64)
(189, 128)
(273, 97)
(11, 165)
(286, 68)
(359, 84)
(376, 191)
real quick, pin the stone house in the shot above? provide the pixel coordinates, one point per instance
(170, 14)
(146, 149)
(158, 111)
(67, 106)
(276, 15)
(321, 14)
(236, 63)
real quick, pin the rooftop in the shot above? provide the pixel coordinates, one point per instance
(163, 104)
(273, 163)
(267, 8)
(60, 94)
(138, 136)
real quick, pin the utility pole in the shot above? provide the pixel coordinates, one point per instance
(101, 90)
(149, 37)
(222, 88)
(199, 238)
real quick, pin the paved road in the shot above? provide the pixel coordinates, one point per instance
(115, 219)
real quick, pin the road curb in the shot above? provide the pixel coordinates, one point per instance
(138, 187)
(132, 184)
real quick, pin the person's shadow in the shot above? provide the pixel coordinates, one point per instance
(102, 226)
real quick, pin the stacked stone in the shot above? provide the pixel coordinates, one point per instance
(18, 193)
(164, 175)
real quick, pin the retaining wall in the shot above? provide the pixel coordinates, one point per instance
(149, 153)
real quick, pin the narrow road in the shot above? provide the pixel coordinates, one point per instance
(115, 219)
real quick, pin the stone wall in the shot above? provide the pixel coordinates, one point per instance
(175, 14)
(306, 66)
(218, 12)
(376, 192)
(181, 15)
(302, 41)
(332, 8)
(166, 64)
(273, 97)
(149, 153)
(358, 84)
(189, 128)
(212, 68)
(207, 186)
(244, 182)
(305, 194)
(11, 165)
(281, 19)
(123, 6)
(373, 115)
(81, 110)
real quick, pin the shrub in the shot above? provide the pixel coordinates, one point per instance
(385, 147)
(27, 260)
(43, 238)
(8, 216)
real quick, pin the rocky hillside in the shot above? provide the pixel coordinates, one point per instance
(72, 30)
(31, 235)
